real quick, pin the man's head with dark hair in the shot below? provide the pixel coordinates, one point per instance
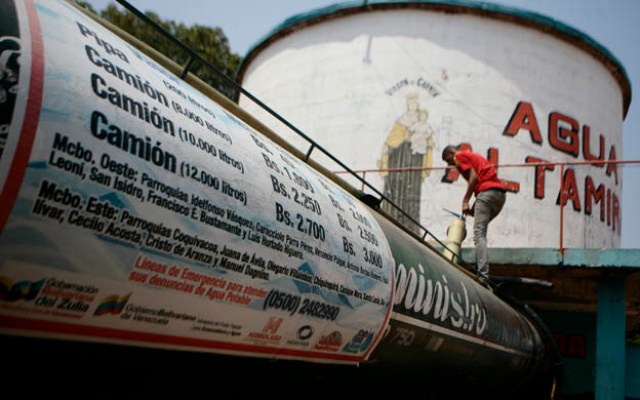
(448, 153)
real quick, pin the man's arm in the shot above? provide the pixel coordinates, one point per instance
(472, 180)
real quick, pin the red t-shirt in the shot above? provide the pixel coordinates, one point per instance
(487, 176)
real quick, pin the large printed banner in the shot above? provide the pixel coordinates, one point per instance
(136, 210)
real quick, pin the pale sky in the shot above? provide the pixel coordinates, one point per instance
(612, 23)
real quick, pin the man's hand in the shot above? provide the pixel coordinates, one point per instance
(466, 210)
(469, 210)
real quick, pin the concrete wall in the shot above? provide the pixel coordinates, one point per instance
(360, 84)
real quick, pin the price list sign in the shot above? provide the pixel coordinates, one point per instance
(138, 210)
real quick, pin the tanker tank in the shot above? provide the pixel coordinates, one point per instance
(154, 233)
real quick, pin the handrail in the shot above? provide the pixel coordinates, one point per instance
(561, 164)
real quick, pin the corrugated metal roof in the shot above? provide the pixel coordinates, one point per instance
(500, 12)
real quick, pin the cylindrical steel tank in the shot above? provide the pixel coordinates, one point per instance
(140, 213)
(386, 85)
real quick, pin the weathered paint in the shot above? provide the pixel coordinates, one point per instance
(588, 258)
(364, 82)
(610, 349)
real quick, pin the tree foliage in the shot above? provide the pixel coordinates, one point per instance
(210, 43)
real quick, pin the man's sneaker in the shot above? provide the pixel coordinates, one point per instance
(484, 279)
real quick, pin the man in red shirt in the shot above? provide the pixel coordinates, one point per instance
(482, 181)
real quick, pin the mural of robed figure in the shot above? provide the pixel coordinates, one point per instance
(406, 156)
